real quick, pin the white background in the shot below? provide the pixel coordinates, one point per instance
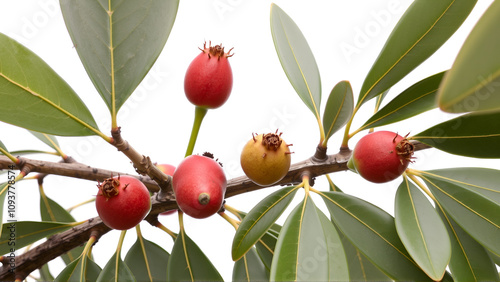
(345, 37)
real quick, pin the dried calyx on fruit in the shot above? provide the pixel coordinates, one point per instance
(122, 202)
(381, 156)
(266, 159)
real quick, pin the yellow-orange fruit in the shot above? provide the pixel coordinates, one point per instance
(265, 159)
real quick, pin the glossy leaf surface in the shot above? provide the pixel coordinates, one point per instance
(115, 270)
(421, 230)
(298, 248)
(415, 100)
(474, 79)
(469, 260)
(187, 262)
(118, 41)
(52, 211)
(373, 232)
(423, 28)
(475, 213)
(28, 232)
(471, 135)
(81, 269)
(50, 140)
(255, 224)
(144, 252)
(35, 97)
(339, 108)
(296, 58)
(250, 268)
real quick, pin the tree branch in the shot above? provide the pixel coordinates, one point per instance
(63, 242)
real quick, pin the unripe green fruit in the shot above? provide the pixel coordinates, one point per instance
(265, 159)
(381, 156)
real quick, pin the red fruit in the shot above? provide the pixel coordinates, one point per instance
(382, 156)
(168, 170)
(199, 186)
(209, 79)
(122, 202)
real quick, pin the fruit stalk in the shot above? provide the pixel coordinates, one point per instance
(199, 114)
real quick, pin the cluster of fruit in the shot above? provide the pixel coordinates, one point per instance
(199, 182)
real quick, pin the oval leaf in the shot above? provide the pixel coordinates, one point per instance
(250, 268)
(471, 135)
(421, 230)
(81, 269)
(339, 108)
(187, 262)
(481, 180)
(472, 83)
(296, 59)
(475, 213)
(255, 224)
(52, 211)
(424, 27)
(360, 268)
(35, 97)
(50, 140)
(266, 245)
(469, 260)
(115, 270)
(373, 232)
(118, 41)
(301, 247)
(155, 261)
(334, 251)
(28, 232)
(415, 100)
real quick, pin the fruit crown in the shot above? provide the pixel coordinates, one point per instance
(109, 187)
(215, 51)
(272, 141)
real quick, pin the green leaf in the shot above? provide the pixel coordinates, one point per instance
(155, 256)
(255, 224)
(250, 268)
(118, 41)
(50, 140)
(423, 28)
(469, 260)
(373, 232)
(45, 274)
(481, 180)
(473, 80)
(296, 59)
(418, 98)
(116, 270)
(187, 262)
(300, 253)
(471, 135)
(339, 108)
(73, 271)
(266, 245)
(334, 251)
(421, 230)
(28, 232)
(360, 268)
(475, 213)
(52, 211)
(35, 97)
